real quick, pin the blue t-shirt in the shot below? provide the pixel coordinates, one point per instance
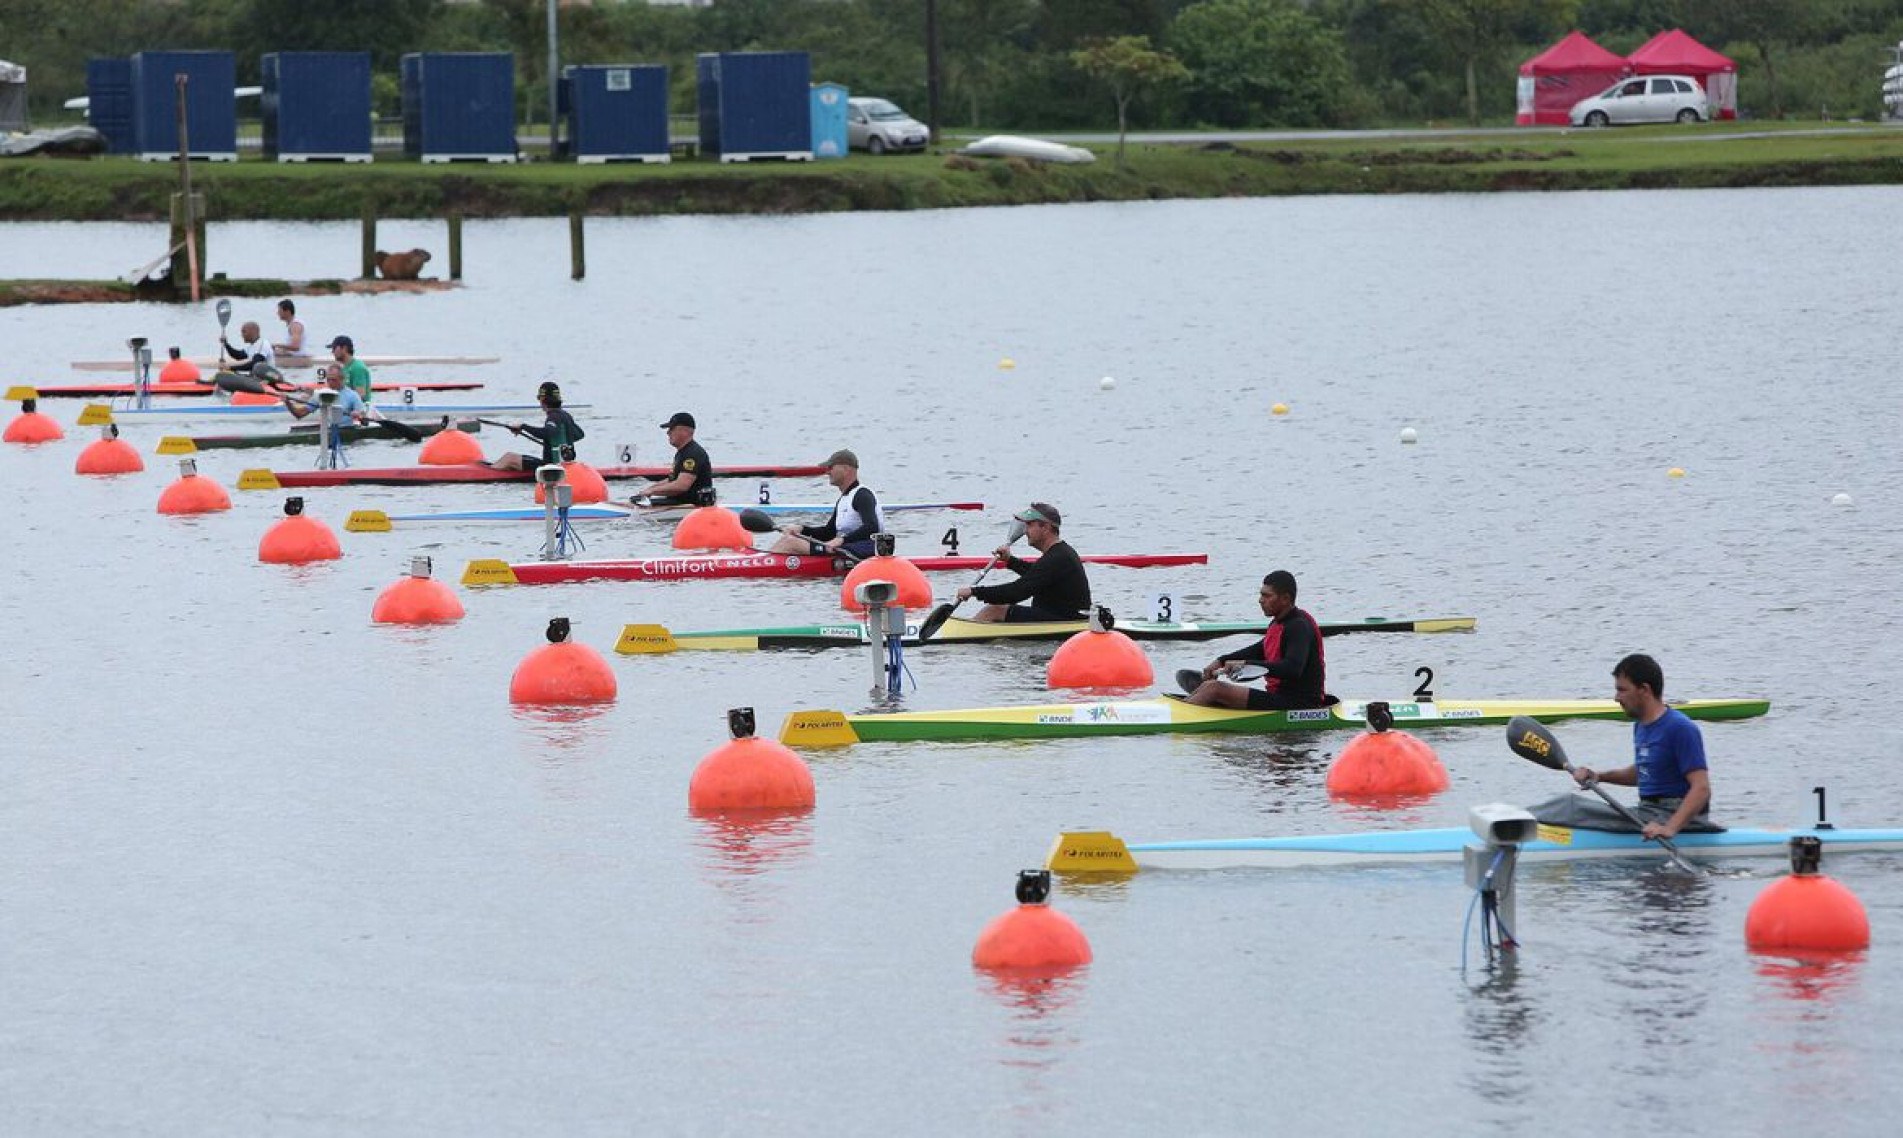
(1665, 751)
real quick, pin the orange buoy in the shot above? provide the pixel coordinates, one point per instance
(915, 592)
(450, 448)
(109, 454)
(1383, 762)
(193, 493)
(298, 538)
(1806, 911)
(562, 672)
(417, 599)
(749, 773)
(31, 426)
(252, 398)
(711, 527)
(178, 369)
(1033, 936)
(588, 484)
(1099, 657)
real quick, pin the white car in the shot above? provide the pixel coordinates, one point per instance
(878, 126)
(1644, 98)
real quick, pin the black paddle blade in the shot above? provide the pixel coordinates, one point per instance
(1189, 679)
(935, 621)
(756, 521)
(1530, 739)
(232, 381)
(401, 430)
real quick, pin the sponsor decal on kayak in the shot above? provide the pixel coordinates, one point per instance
(1558, 835)
(1089, 713)
(1461, 713)
(1314, 715)
(699, 566)
(840, 631)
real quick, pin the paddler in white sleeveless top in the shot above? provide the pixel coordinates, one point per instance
(856, 516)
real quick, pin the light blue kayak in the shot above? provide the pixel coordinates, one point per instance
(1103, 852)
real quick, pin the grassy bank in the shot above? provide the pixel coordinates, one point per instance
(120, 189)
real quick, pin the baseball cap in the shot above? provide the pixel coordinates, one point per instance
(679, 419)
(341, 342)
(548, 388)
(842, 458)
(1041, 512)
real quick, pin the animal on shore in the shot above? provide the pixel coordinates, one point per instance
(401, 266)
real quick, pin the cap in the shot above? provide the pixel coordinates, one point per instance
(341, 341)
(679, 419)
(549, 389)
(1041, 512)
(842, 458)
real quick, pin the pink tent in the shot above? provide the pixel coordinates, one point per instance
(1675, 53)
(1571, 70)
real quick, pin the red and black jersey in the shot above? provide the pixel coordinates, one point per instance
(1292, 651)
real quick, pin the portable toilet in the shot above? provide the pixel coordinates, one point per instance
(756, 104)
(12, 96)
(459, 105)
(316, 105)
(617, 113)
(109, 102)
(829, 120)
(211, 108)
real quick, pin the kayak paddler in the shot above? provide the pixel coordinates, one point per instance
(254, 354)
(347, 410)
(293, 344)
(693, 472)
(1054, 584)
(558, 433)
(1290, 650)
(356, 373)
(856, 516)
(1668, 765)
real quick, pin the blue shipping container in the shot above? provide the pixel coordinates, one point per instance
(616, 112)
(109, 102)
(829, 120)
(210, 104)
(316, 105)
(756, 104)
(459, 105)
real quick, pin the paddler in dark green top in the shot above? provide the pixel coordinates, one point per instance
(558, 432)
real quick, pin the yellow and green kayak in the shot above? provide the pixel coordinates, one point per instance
(1172, 715)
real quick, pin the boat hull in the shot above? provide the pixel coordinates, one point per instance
(475, 472)
(768, 565)
(267, 410)
(1174, 716)
(656, 513)
(1101, 852)
(285, 363)
(309, 436)
(206, 390)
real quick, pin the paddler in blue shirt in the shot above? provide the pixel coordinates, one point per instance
(856, 516)
(1668, 765)
(1291, 651)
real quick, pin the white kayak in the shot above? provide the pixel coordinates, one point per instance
(1036, 149)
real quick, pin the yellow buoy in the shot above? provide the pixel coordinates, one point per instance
(1279, 409)
(1675, 472)
(1007, 363)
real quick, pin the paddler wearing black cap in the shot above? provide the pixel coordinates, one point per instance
(1054, 584)
(856, 516)
(558, 431)
(693, 472)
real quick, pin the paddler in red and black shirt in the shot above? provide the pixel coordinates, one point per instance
(1291, 650)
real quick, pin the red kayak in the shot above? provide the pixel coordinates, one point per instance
(476, 472)
(112, 390)
(753, 565)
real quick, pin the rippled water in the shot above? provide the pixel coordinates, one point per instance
(268, 868)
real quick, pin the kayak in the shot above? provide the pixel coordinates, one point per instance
(1170, 714)
(113, 390)
(647, 639)
(395, 410)
(476, 472)
(1100, 851)
(727, 565)
(602, 512)
(283, 362)
(304, 435)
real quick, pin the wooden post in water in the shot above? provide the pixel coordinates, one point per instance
(455, 246)
(577, 262)
(187, 235)
(369, 239)
(180, 81)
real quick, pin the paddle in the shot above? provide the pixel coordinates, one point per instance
(232, 381)
(1530, 739)
(944, 612)
(1189, 679)
(758, 521)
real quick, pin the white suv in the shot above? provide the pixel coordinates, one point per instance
(1644, 98)
(878, 126)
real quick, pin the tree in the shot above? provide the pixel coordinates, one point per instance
(384, 28)
(1257, 61)
(1127, 64)
(1764, 24)
(1474, 31)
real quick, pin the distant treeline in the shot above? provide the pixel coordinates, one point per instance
(1007, 63)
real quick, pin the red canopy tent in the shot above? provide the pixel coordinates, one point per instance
(1571, 70)
(1675, 53)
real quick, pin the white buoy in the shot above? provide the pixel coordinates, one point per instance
(1107, 383)
(1410, 435)
(1841, 499)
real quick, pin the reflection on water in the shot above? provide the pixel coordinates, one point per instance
(738, 846)
(1285, 774)
(1814, 982)
(1502, 1016)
